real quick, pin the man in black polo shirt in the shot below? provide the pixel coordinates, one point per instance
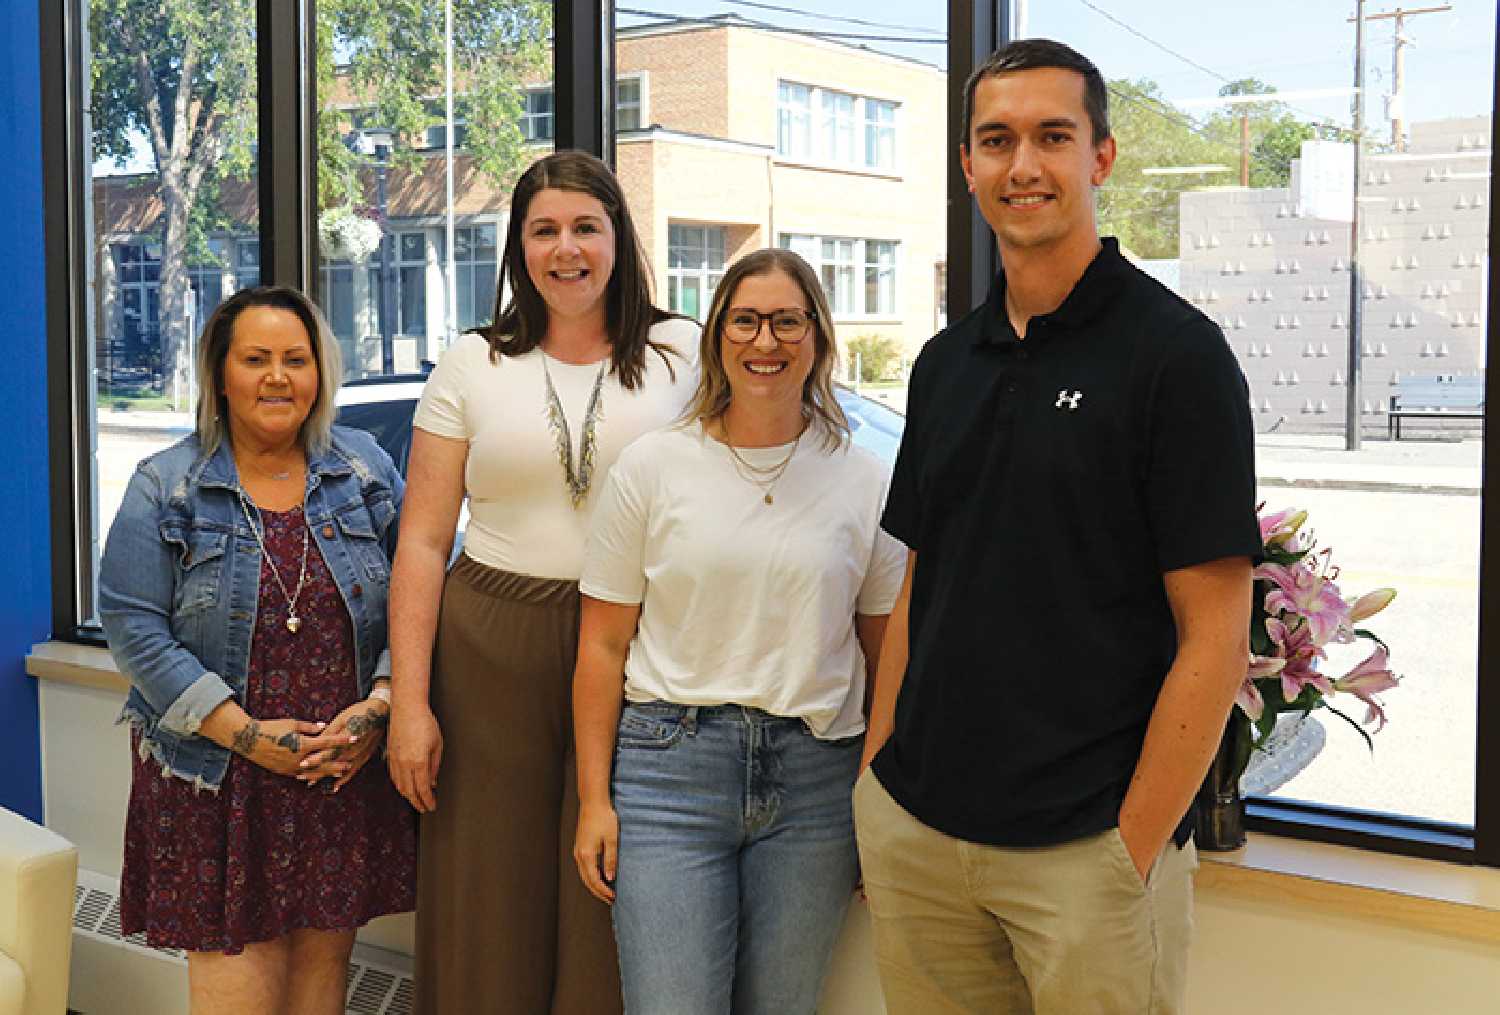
(1076, 486)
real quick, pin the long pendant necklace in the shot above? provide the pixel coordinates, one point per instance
(293, 622)
(763, 476)
(578, 481)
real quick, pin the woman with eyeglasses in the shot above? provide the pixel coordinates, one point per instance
(736, 584)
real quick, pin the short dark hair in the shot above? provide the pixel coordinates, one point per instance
(1032, 54)
(521, 324)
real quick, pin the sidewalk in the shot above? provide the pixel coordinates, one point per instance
(1411, 465)
(1317, 461)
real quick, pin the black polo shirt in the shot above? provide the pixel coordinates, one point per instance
(1045, 486)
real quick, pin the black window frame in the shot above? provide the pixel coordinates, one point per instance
(583, 75)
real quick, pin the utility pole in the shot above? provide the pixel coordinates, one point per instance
(1398, 65)
(1352, 406)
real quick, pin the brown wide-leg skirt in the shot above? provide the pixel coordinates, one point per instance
(504, 925)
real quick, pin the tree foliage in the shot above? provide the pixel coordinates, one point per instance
(182, 75)
(1142, 208)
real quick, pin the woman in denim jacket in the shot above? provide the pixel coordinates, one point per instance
(243, 593)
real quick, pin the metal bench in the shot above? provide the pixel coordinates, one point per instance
(1443, 397)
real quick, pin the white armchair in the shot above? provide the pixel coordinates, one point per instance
(38, 872)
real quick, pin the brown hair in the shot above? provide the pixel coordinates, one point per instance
(521, 324)
(213, 350)
(819, 405)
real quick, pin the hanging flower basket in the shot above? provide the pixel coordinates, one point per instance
(346, 235)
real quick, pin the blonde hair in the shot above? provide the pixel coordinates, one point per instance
(820, 407)
(213, 350)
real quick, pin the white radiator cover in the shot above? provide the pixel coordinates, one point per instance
(117, 975)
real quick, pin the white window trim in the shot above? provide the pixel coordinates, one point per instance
(818, 157)
(644, 77)
(894, 315)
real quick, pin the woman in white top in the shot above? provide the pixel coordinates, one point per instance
(736, 585)
(524, 418)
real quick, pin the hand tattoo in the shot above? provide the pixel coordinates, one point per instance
(369, 721)
(291, 741)
(244, 740)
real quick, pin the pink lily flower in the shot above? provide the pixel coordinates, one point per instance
(1281, 526)
(1368, 679)
(1306, 593)
(1301, 653)
(1249, 700)
(1370, 604)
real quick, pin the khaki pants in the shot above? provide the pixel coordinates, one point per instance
(1057, 930)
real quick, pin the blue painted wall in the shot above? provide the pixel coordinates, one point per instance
(25, 576)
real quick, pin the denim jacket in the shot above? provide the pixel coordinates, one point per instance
(180, 577)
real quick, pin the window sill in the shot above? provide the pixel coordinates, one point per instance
(1451, 899)
(789, 162)
(80, 665)
(1455, 900)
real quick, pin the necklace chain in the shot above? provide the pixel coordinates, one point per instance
(578, 481)
(293, 622)
(765, 477)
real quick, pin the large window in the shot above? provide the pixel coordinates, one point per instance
(851, 130)
(1236, 184)
(396, 288)
(1239, 198)
(859, 276)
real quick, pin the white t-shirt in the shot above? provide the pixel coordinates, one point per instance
(521, 514)
(745, 602)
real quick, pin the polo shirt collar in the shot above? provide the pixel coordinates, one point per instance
(1092, 293)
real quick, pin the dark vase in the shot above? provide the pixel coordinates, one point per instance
(1220, 810)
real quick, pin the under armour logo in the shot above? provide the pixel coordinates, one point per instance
(1071, 401)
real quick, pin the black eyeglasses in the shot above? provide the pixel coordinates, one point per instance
(789, 324)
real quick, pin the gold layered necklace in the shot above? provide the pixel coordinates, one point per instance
(763, 477)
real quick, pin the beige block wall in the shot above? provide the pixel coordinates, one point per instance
(687, 78)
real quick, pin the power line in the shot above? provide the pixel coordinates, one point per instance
(1316, 120)
(768, 27)
(1147, 39)
(829, 17)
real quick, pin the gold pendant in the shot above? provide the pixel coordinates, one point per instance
(294, 623)
(768, 498)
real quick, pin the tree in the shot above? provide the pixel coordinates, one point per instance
(1276, 134)
(1142, 208)
(181, 74)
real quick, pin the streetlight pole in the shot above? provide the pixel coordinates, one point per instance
(387, 268)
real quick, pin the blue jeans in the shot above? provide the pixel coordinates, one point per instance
(737, 859)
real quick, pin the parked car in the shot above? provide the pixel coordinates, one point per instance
(385, 405)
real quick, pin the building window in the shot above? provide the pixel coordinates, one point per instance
(880, 134)
(630, 97)
(695, 264)
(837, 127)
(858, 275)
(537, 120)
(793, 120)
(474, 275)
(409, 265)
(437, 134)
(838, 139)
